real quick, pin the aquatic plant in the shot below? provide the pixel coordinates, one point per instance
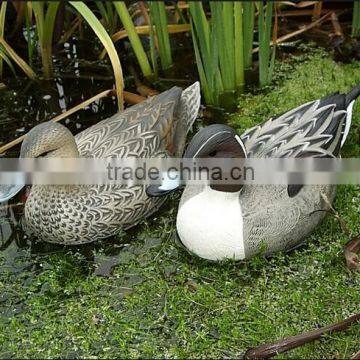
(134, 38)
(219, 47)
(158, 18)
(6, 52)
(45, 17)
(2, 27)
(206, 54)
(356, 19)
(29, 34)
(105, 39)
(248, 31)
(9, 53)
(266, 54)
(108, 15)
(223, 45)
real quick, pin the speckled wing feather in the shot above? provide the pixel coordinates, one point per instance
(186, 114)
(311, 129)
(148, 123)
(74, 215)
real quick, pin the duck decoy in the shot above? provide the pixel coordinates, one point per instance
(75, 214)
(223, 222)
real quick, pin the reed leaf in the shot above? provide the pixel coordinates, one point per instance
(31, 41)
(226, 32)
(206, 46)
(264, 24)
(45, 22)
(239, 45)
(104, 13)
(107, 13)
(153, 53)
(105, 39)
(159, 19)
(356, 19)
(201, 27)
(2, 29)
(248, 31)
(134, 38)
(208, 95)
(3, 56)
(10, 52)
(218, 46)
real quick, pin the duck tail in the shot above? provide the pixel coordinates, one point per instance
(350, 98)
(186, 115)
(352, 95)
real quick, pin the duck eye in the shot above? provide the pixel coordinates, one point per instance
(213, 153)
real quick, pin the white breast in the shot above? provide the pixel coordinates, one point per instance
(210, 225)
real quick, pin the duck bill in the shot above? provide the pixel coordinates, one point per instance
(170, 182)
(7, 192)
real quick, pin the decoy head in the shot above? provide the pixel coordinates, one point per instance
(46, 139)
(214, 141)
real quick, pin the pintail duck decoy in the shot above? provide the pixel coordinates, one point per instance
(218, 223)
(75, 214)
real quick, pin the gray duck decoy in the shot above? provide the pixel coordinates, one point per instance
(216, 223)
(75, 214)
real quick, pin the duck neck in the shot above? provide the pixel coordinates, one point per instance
(69, 150)
(224, 195)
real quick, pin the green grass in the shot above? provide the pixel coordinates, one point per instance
(162, 302)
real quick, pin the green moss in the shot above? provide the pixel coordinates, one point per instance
(161, 302)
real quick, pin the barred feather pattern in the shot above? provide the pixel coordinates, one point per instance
(271, 217)
(308, 130)
(79, 214)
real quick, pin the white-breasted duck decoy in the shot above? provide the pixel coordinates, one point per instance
(223, 222)
(75, 214)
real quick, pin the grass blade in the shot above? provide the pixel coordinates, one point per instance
(46, 46)
(264, 23)
(31, 41)
(159, 19)
(239, 45)
(45, 23)
(153, 52)
(356, 19)
(204, 81)
(104, 14)
(227, 44)
(248, 31)
(134, 38)
(2, 29)
(105, 39)
(4, 57)
(17, 59)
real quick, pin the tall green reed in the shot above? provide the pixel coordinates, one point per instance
(105, 39)
(134, 38)
(158, 17)
(2, 29)
(108, 14)
(248, 31)
(356, 19)
(219, 47)
(30, 38)
(11, 54)
(45, 17)
(266, 54)
(7, 53)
